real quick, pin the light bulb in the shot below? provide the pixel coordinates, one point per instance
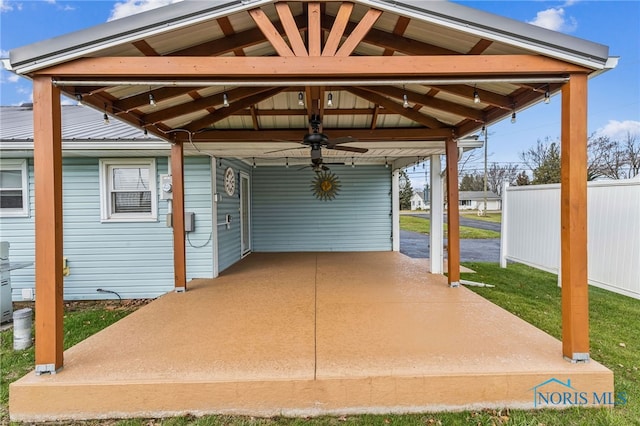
(330, 100)
(406, 101)
(300, 99)
(152, 100)
(225, 100)
(513, 117)
(105, 117)
(476, 97)
(547, 97)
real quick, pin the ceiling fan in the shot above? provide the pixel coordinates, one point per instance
(317, 140)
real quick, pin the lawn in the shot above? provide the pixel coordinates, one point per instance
(495, 217)
(421, 225)
(531, 294)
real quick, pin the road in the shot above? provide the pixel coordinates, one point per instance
(416, 245)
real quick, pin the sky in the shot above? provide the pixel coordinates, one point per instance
(614, 97)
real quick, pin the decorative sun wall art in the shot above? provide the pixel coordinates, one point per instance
(325, 186)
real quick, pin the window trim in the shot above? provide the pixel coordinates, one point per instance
(23, 166)
(106, 166)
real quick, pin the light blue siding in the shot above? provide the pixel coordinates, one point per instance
(229, 239)
(287, 217)
(134, 259)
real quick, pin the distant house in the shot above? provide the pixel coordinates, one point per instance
(417, 202)
(474, 200)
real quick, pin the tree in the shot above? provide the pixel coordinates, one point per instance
(544, 160)
(522, 179)
(471, 182)
(497, 175)
(406, 191)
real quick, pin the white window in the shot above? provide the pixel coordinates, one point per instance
(128, 190)
(14, 188)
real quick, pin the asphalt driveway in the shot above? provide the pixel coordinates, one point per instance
(416, 245)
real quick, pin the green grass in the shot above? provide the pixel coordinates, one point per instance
(421, 225)
(79, 323)
(489, 217)
(531, 294)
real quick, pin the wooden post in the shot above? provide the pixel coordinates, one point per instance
(453, 214)
(179, 251)
(47, 155)
(573, 220)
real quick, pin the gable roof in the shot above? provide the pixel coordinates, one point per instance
(392, 111)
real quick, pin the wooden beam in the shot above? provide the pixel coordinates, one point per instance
(47, 155)
(480, 47)
(361, 30)
(319, 67)
(314, 31)
(227, 29)
(179, 248)
(573, 220)
(486, 96)
(270, 32)
(142, 99)
(291, 29)
(453, 214)
(145, 48)
(365, 93)
(263, 93)
(294, 135)
(401, 26)
(430, 102)
(216, 100)
(337, 29)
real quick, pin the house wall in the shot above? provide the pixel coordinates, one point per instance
(134, 259)
(229, 237)
(287, 216)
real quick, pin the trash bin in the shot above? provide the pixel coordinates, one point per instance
(22, 329)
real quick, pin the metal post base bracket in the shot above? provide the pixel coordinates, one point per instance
(180, 289)
(454, 284)
(578, 357)
(46, 369)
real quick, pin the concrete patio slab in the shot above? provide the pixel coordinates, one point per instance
(306, 334)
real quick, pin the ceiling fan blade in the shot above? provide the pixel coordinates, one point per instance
(344, 139)
(285, 149)
(349, 149)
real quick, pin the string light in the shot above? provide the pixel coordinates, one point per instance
(79, 99)
(146, 132)
(513, 116)
(225, 100)
(286, 162)
(386, 163)
(353, 165)
(547, 96)
(476, 96)
(330, 100)
(405, 102)
(105, 117)
(254, 163)
(300, 99)
(152, 100)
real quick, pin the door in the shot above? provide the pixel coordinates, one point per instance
(245, 214)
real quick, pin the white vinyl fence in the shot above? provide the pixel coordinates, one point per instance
(531, 231)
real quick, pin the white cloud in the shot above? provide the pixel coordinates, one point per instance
(618, 130)
(555, 19)
(4, 53)
(13, 78)
(5, 6)
(126, 8)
